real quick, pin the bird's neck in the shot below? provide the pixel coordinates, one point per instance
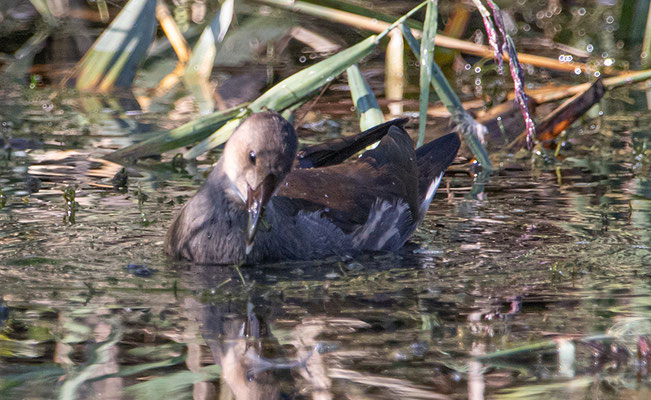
(219, 220)
(219, 180)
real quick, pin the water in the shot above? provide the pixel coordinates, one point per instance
(550, 260)
(546, 253)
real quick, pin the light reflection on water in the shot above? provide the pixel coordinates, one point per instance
(545, 254)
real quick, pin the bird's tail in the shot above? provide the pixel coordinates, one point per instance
(433, 159)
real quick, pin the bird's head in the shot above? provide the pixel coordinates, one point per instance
(256, 160)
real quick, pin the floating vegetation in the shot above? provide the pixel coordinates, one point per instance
(142, 198)
(71, 205)
(120, 180)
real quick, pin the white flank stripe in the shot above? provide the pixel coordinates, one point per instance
(430, 194)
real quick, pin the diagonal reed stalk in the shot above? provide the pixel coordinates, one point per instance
(214, 129)
(178, 43)
(304, 83)
(472, 131)
(184, 135)
(375, 25)
(172, 32)
(43, 8)
(508, 47)
(201, 62)
(293, 91)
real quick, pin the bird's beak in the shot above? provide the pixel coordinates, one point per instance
(255, 200)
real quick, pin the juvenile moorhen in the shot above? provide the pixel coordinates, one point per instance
(262, 202)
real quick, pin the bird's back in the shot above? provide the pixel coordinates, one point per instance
(370, 203)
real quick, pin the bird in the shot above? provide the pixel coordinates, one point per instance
(265, 201)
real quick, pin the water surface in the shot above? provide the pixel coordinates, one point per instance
(552, 253)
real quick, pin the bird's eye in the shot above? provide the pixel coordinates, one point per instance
(252, 157)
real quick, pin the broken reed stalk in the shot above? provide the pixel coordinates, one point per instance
(368, 109)
(394, 72)
(508, 47)
(546, 95)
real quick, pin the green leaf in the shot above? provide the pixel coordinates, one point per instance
(439, 83)
(426, 59)
(303, 83)
(116, 54)
(184, 135)
(214, 140)
(364, 100)
(293, 89)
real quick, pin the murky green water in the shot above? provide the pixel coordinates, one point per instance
(553, 254)
(547, 253)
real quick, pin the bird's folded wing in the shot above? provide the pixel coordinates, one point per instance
(346, 193)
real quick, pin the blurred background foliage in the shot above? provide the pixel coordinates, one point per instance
(150, 51)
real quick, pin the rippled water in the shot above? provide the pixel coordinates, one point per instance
(533, 284)
(555, 255)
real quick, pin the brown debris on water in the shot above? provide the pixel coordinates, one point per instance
(564, 115)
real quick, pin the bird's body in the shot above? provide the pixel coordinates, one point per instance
(374, 202)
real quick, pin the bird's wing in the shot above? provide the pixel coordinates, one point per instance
(348, 193)
(336, 151)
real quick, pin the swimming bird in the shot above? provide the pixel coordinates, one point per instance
(264, 201)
